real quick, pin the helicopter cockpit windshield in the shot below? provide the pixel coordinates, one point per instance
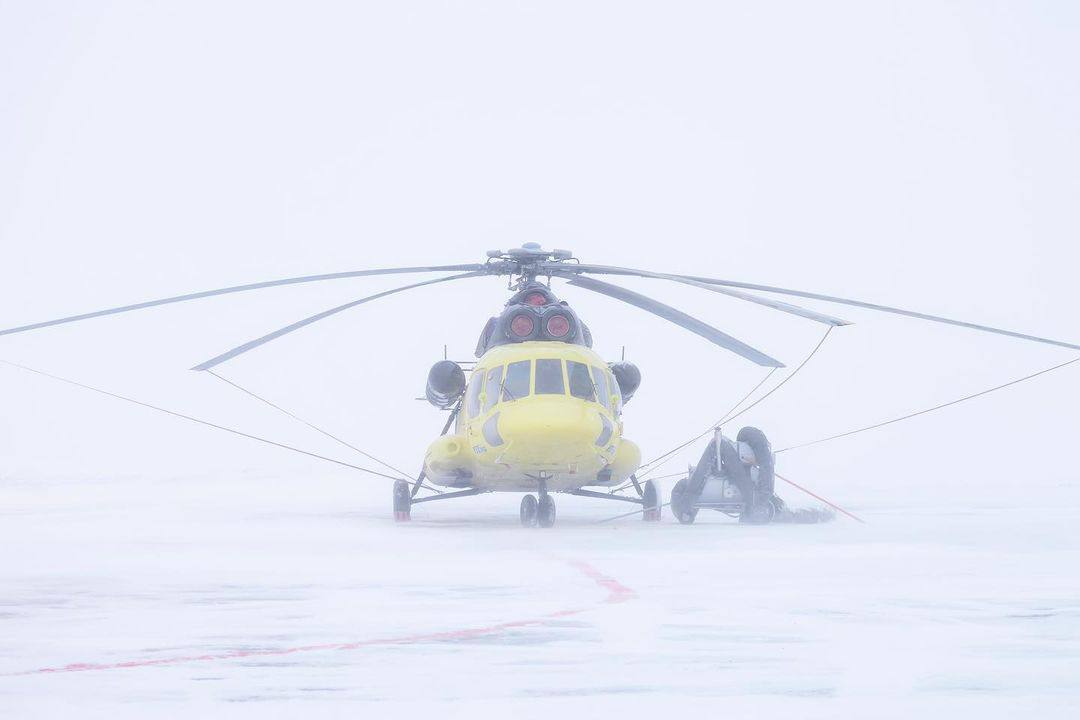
(549, 377)
(518, 380)
(581, 382)
(541, 377)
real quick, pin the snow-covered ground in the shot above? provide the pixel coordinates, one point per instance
(917, 155)
(326, 607)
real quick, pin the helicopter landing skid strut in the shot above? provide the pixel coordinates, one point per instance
(403, 499)
(534, 512)
(648, 499)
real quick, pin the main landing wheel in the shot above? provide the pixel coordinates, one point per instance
(650, 502)
(545, 516)
(402, 501)
(528, 511)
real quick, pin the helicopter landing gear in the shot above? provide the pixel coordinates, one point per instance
(538, 513)
(529, 508)
(650, 502)
(545, 516)
(648, 497)
(402, 501)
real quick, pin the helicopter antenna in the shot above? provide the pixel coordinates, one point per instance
(623, 358)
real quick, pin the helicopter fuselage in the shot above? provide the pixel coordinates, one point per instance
(536, 414)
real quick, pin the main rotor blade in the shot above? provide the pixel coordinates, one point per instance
(252, 344)
(767, 302)
(676, 316)
(889, 309)
(601, 269)
(241, 288)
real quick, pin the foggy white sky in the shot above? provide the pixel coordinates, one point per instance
(917, 154)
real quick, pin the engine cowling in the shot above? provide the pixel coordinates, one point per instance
(445, 384)
(628, 376)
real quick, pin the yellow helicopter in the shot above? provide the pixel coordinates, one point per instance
(542, 412)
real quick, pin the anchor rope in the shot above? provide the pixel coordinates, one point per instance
(957, 401)
(196, 420)
(662, 460)
(729, 417)
(314, 427)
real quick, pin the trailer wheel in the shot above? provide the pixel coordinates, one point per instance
(766, 461)
(680, 504)
(761, 512)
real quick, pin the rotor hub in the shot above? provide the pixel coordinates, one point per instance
(526, 262)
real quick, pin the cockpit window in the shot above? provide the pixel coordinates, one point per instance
(472, 401)
(494, 384)
(600, 381)
(516, 384)
(549, 378)
(581, 384)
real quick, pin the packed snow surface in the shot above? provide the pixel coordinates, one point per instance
(269, 597)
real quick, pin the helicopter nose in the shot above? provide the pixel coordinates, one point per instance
(549, 432)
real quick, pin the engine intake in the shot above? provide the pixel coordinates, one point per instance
(445, 384)
(628, 376)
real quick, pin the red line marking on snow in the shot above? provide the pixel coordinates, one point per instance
(617, 593)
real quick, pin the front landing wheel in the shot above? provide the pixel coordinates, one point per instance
(402, 501)
(650, 502)
(528, 511)
(545, 516)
